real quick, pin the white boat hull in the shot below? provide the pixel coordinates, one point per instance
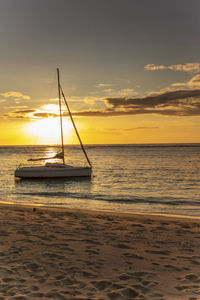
(62, 171)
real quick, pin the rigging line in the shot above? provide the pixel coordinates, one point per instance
(75, 128)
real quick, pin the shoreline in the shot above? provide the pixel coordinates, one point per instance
(56, 253)
(134, 213)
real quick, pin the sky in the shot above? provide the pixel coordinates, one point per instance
(129, 69)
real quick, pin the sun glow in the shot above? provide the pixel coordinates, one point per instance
(47, 131)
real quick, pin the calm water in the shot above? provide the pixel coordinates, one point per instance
(156, 179)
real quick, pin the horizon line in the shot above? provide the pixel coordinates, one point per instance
(102, 144)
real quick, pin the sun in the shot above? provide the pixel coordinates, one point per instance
(47, 131)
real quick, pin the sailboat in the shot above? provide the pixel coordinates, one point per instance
(57, 170)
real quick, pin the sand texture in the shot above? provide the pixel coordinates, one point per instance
(63, 254)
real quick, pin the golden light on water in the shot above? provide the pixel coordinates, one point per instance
(47, 131)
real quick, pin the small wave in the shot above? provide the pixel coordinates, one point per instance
(124, 200)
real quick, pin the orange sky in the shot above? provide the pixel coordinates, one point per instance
(46, 131)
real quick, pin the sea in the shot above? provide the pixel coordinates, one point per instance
(159, 179)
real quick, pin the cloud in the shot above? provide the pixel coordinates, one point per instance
(27, 111)
(19, 114)
(113, 131)
(108, 90)
(16, 95)
(103, 85)
(168, 103)
(29, 114)
(176, 102)
(184, 84)
(141, 128)
(181, 102)
(45, 115)
(152, 67)
(188, 67)
(120, 92)
(90, 100)
(16, 106)
(116, 131)
(94, 113)
(127, 91)
(195, 81)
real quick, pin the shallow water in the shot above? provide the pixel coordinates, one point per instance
(162, 179)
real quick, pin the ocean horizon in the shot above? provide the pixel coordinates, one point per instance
(106, 144)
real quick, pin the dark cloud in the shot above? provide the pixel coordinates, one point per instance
(177, 102)
(113, 113)
(155, 100)
(95, 113)
(170, 103)
(19, 114)
(28, 113)
(141, 128)
(45, 115)
(24, 112)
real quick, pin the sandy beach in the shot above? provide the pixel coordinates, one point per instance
(48, 253)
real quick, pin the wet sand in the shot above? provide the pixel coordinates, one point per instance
(48, 253)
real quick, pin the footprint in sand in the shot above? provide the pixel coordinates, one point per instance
(133, 255)
(122, 246)
(101, 285)
(125, 277)
(192, 277)
(7, 279)
(173, 268)
(157, 296)
(115, 296)
(125, 293)
(158, 252)
(90, 252)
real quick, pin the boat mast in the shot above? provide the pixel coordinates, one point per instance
(61, 126)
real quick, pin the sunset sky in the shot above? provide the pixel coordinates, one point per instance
(130, 70)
